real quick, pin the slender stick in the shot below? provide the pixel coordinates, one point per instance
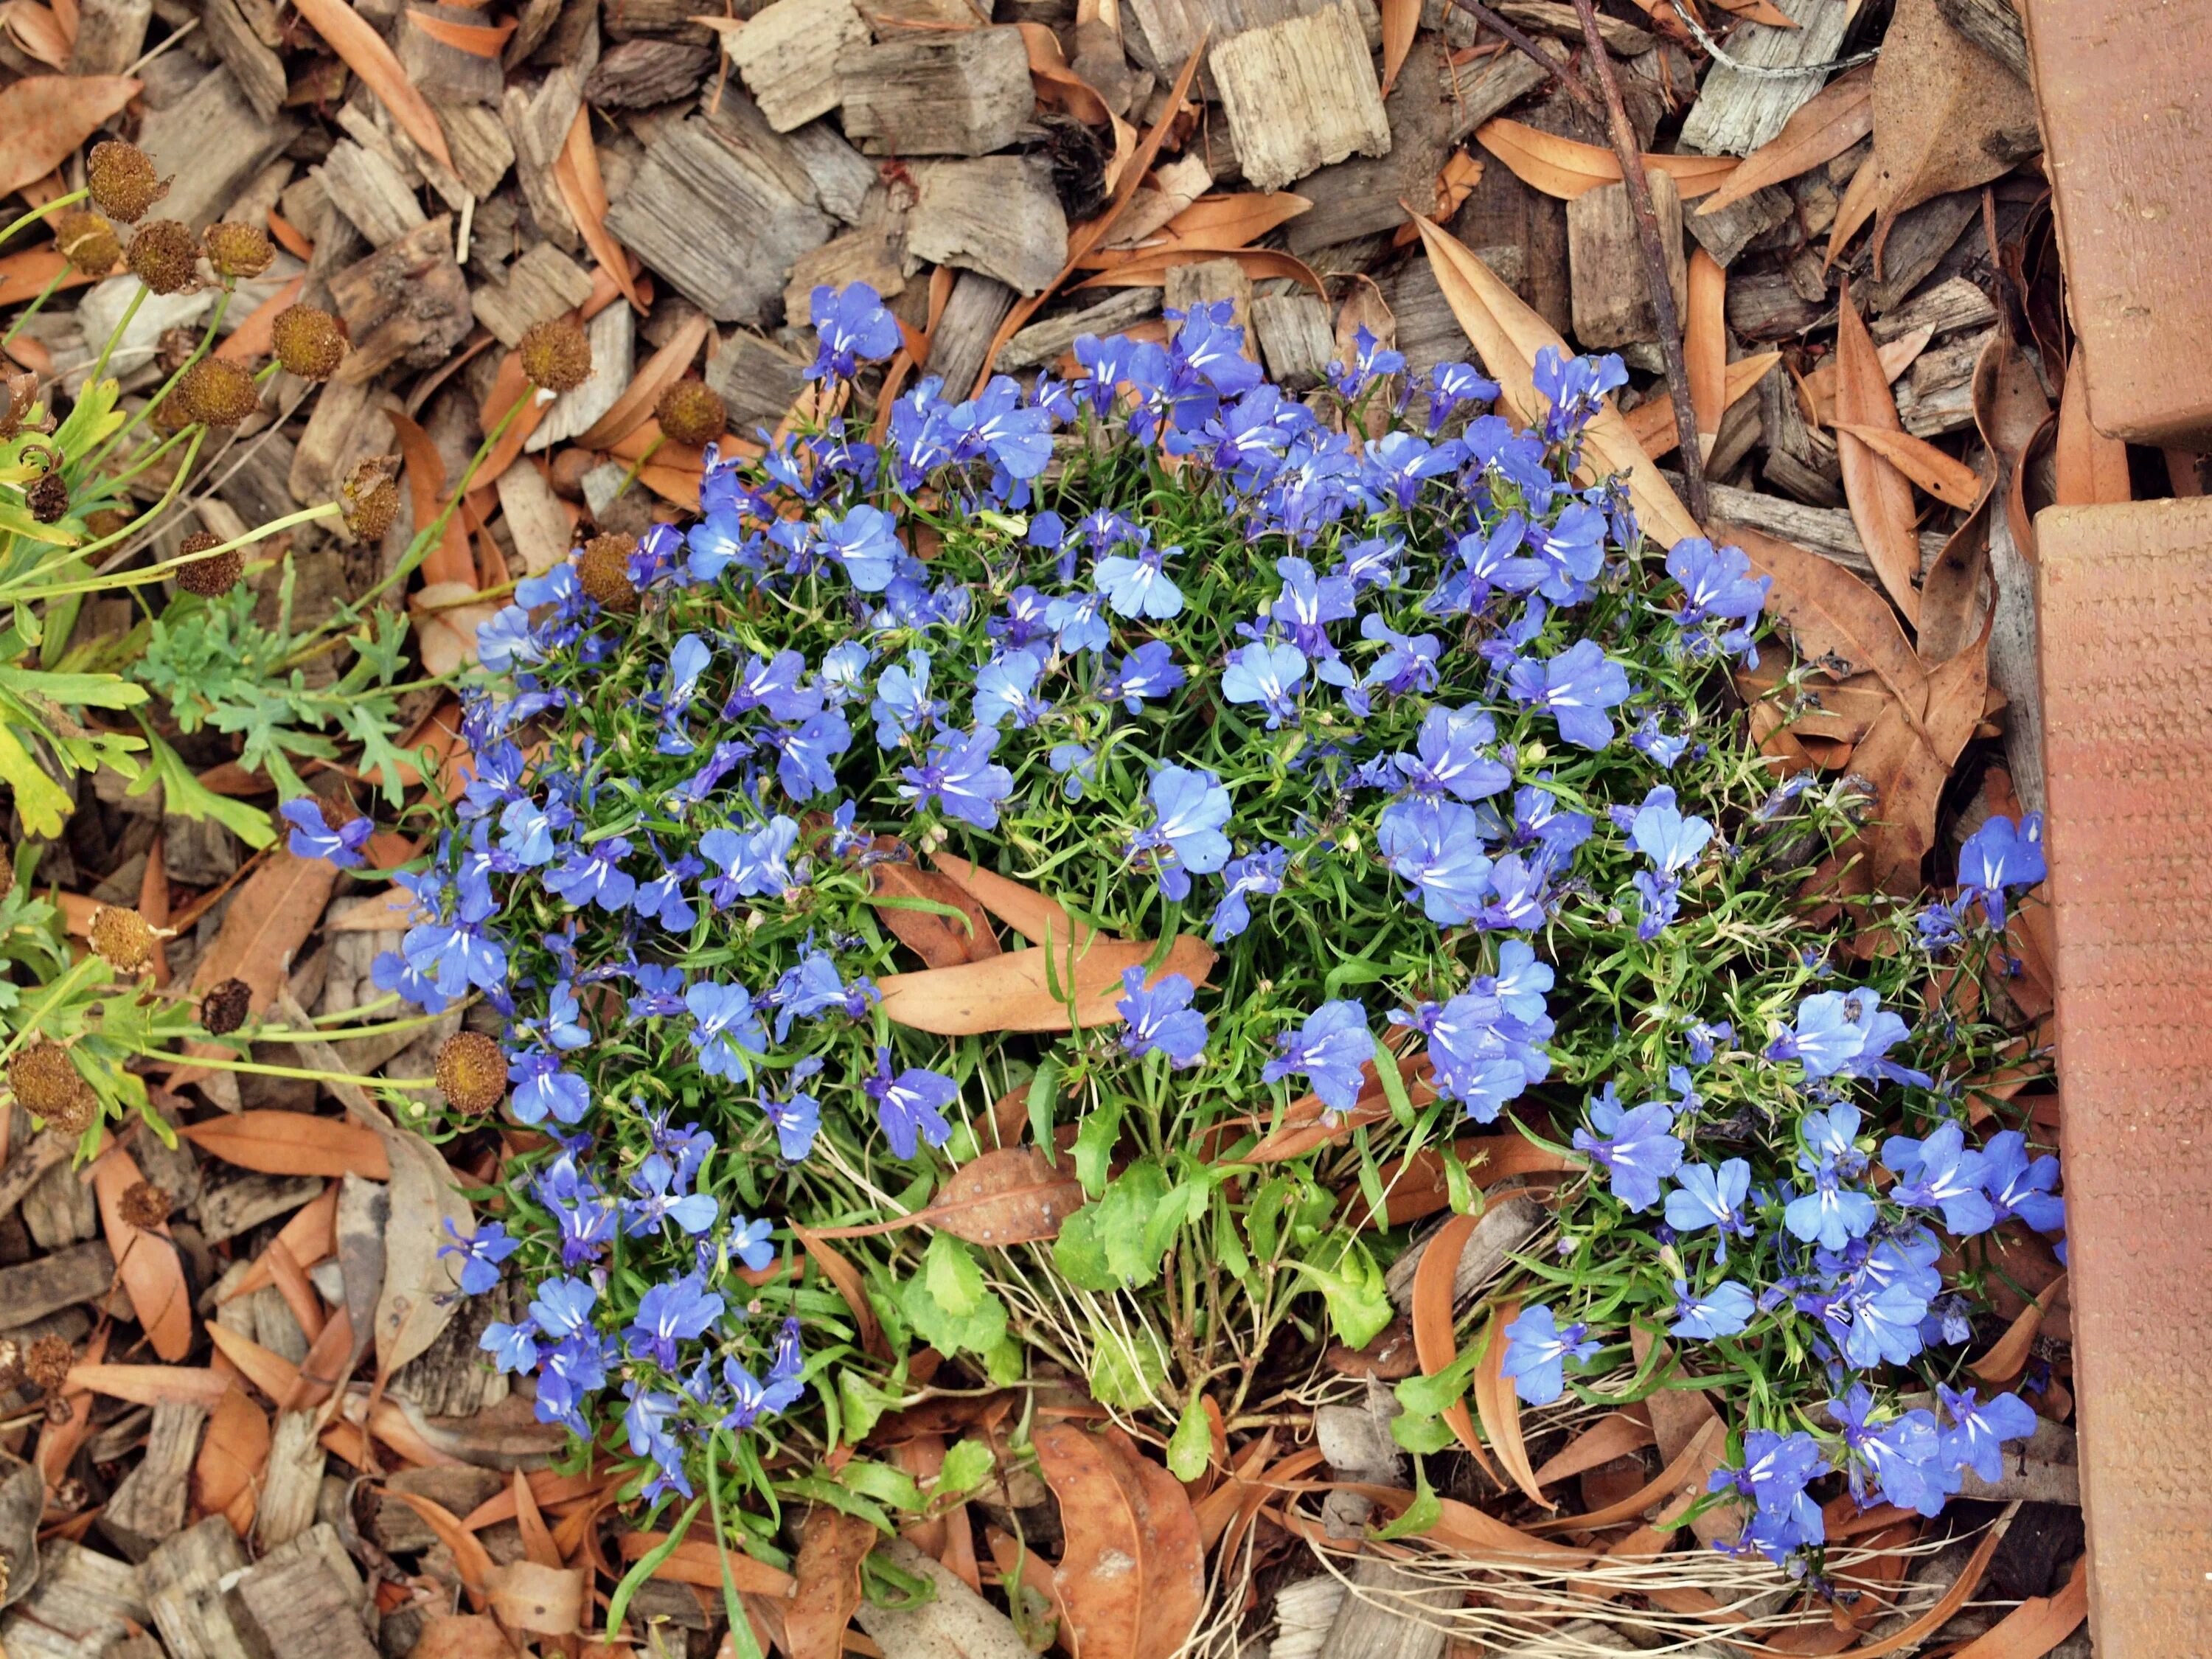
(1528, 49)
(1630, 154)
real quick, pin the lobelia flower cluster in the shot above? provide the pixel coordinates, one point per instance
(1413, 731)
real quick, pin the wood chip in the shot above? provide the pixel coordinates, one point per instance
(965, 94)
(999, 216)
(1300, 94)
(787, 55)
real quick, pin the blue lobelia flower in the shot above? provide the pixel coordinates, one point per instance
(1999, 855)
(1075, 762)
(751, 1400)
(562, 1307)
(1139, 586)
(1894, 1461)
(864, 545)
(1721, 598)
(1329, 1051)
(1537, 1349)
(592, 874)
(1705, 1197)
(1575, 688)
(1150, 670)
(1723, 1310)
(725, 1028)
(661, 1197)
(1259, 873)
(1662, 834)
(1448, 757)
(1942, 1172)
(960, 778)
(1576, 388)
(911, 1106)
(751, 863)
(796, 1117)
(1776, 1470)
(1269, 675)
(1189, 809)
(903, 705)
(512, 1347)
(2019, 1186)
(1408, 662)
(1451, 385)
(854, 327)
(677, 1310)
(1005, 689)
(748, 1242)
(1637, 1148)
(645, 1421)
(1079, 622)
(1371, 361)
(542, 1088)
(1437, 845)
(1832, 1213)
(813, 987)
(1307, 604)
(1160, 1018)
(1648, 739)
(313, 835)
(528, 830)
(481, 1253)
(1974, 1438)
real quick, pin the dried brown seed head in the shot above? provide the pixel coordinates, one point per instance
(310, 343)
(472, 1071)
(226, 1005)
(690, 414)
(556, 355)
(165, 256)
(47, 1363)
(216, 392)
(44, 1079)
(370, 498)
(122, 937)
(88, 240)
(48, 498)
(216, 574)
(144, 1205)
(237, 250)
(603, 571)
(123, 180)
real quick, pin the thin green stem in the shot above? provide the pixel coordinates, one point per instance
(638, 465)
(115, 334)
(53, 284)
(115, 480)
(138, 416)
(156, 572)
(280, 1034)
(80, 974)
(261, 1070)
(37, 214)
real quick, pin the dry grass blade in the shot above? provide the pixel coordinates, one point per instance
(291, 1143)
(1880, 496)
(1945, 477)
(1836, 118)
(363, 51)
(1054, 988)
(662, 370)
(1013, 1195)
(1562, 168)
(44, 118)
(1507, 335)
(1499, 1405)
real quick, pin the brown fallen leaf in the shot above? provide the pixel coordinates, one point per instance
(39, 31)
(2038, 1624)
(1149, 267)
(1816, 391)
(1507, 335)
(694, 1562)
(152, 1385)
(1132, 1574)
(528, 1596)
(1908, 766)
(1468, 1531)
(44, 118)
(1704, 347)
(146, 1259)
(1027, 912)
(311, 1236)
(291, 1143)
(1943, 475)
(1434, 1344)
(1947, 116)
(1417, 1187)
(1229, 222)
(450, 560)
(1014, 992)
(1652, 424)
(477, 40)
(471, 1558)
(1834, 616)
(363, 51)
(2009, 1352)
(270, 917)
(1012, 1195)
(1498, 1403)
(846, 1277)
(1880, 496)
(2092, 468)
(1689, 1468)
(233, 1453)
(462, 1636)
(418, 1299)
(1401, 19)
(1824, 127)
(940, 941)
(1618, 1434)
(831, 1546)
(1562, 168)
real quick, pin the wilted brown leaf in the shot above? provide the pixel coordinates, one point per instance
(1817, 390)
(269, 919)
(1908, 766)
(1016, 990)
(152, 1385)
(1416, 1188)
(1562, 168)
(233, 1452)
(1943, 475)
(1834, 615)
(529, 1595)
(1704, 347)
(2092, 468)
(418, 1299)
(1401, 19)
(941, 941)
(1499, 1405)
(1830, 123)
(476, 40)
(1011, 1195)
(363, 51)
(44, 118)
(1507, 335)
(462, 1636)
(1652, 424)
(291, 1143)
(145, 1259)
(1132, 1575)
(1434, 1343)
(831, 1546)
(1622, 1434)
(846, 1277)
(1027, 912)
(1880, 496)
(655, 376)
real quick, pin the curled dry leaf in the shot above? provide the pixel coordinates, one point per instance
(2092, 468)
(1507, 335)
(1620, 1434)
(309, 1237)
(1834, 616)
(1400, 19)
(576, 177)
(846, 1277)
(1704, 347)
(831, 1546)
(527, 1595)
(364, 52)
(692, 1562)
(1416, 1186)
(1687, 1469)
(941, 941)
(462, 1636)
(1468, 1531)
(1943, 475)
(1830, 123)
(1499, 1405)
(1013, 1195)
(471, 1558)
(1562, 168)
(1880, 496)
(477, 40)
(269, 919)
(1132, 1575)
(1149, 268)
(233, 1453)
(2009, 1353)
(2038, 1624)
(145, 1259)
(44, 118)
(1652, 424)
(1015, 991)
(1909, 764)
(291, 1144)
(419, 1298)
(450, 560)
(1434, 1344)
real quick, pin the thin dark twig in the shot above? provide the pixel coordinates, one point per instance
(1527, 48)
(1630, 154)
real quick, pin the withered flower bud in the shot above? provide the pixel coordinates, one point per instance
(165, 256)
(121, 938)
(603, 571)
(216, 574)
(123, 180)
(216, 392)
(237, 250)
(88, 240)
(690, 414)
(44, 1079)
(310, 343)
(48, 496)
(472, 1071)
(370, 498)
(556, 355)
(47, 1363)
(226, 1005)
(144, 1205)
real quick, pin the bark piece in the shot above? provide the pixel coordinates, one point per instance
(60, 1210)
(1042, 343)
(231, 1208)
(148, 1505)
(294, 1482)
(874, 257)
(1612, 289)
(304, 1597)
(539, 125)
(1735, 113)
(1360, 196)
(458, 1488)
(1300, 94)
(1936, 394)
(788, 56)
(210, 142)
(641, 74)
(756, 381)
(613, 335)
(534, 518)
(449, 1378)
(1296, 342)
(259, 71)
(701, 173)
(1992, 25)
(542, 283)
(963, 93)
(448, 76)
(1726, 234)
(1826, 531)
(979, 304)
(33, 1290)
(345, 425)
(83, 1603)
(370, 191)
(111, 35)
(22, 1497)
(999, 216)
(405, 303)
(841, 176)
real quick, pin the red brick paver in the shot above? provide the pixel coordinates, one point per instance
(2125, 602)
